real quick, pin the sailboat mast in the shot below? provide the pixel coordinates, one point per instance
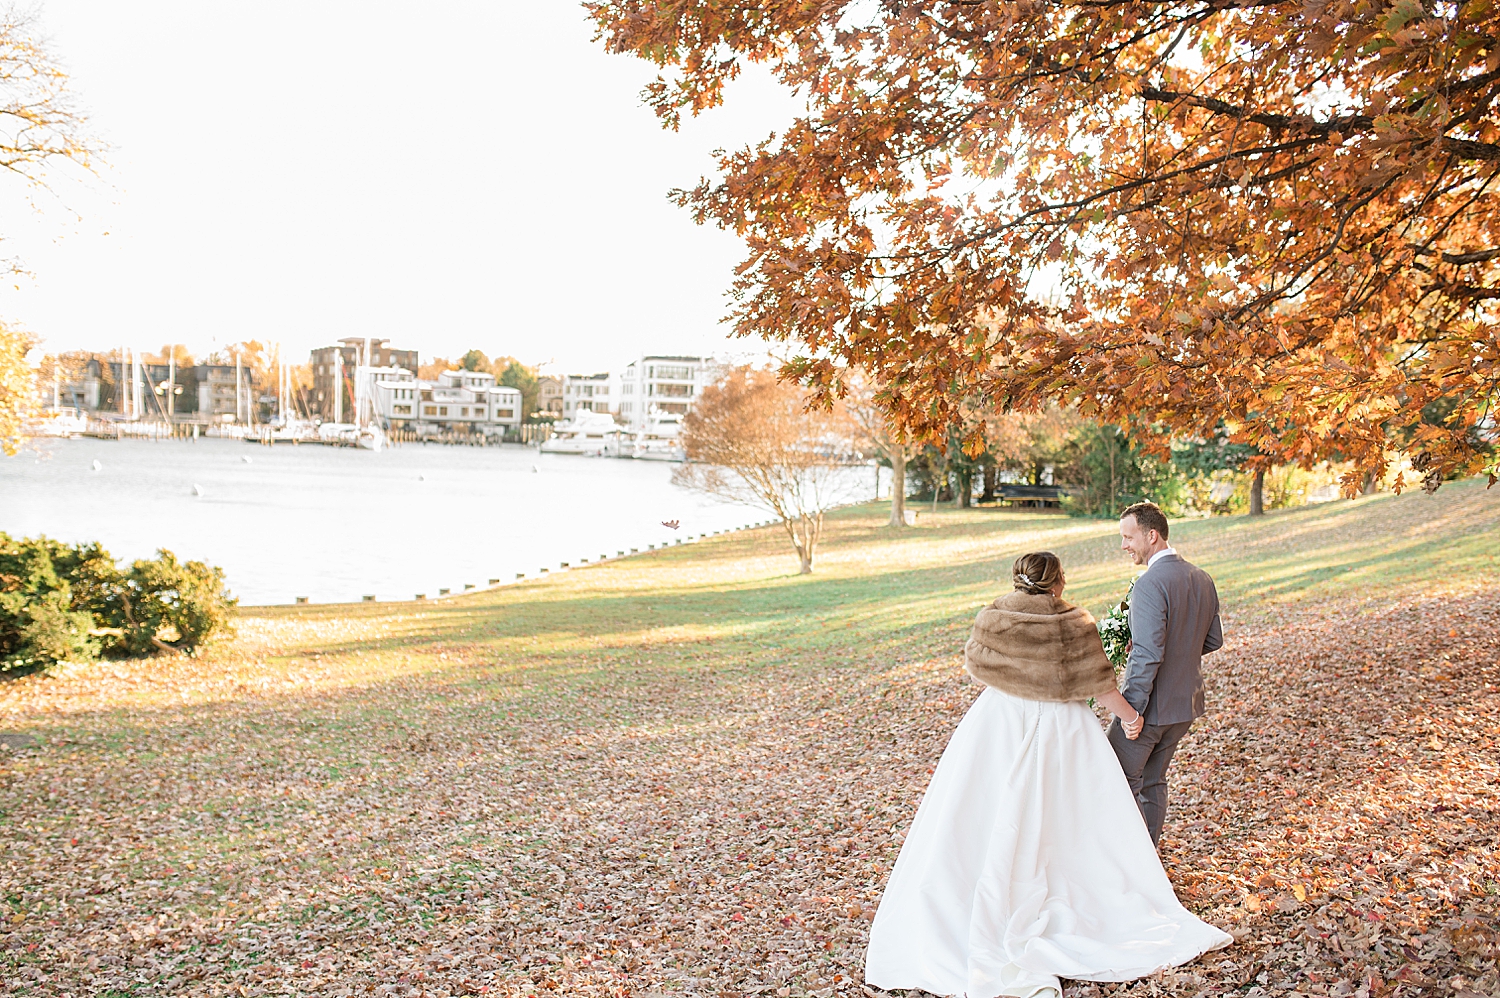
(135, 385)
(338, 384)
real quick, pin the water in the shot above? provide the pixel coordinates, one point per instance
(334, 523)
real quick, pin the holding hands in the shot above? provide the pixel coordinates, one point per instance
(1131, 720)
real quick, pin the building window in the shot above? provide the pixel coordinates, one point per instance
(403, 410)
(667, 371)
(429, 410)
(504, 413)
(464, 411)
(678, 391)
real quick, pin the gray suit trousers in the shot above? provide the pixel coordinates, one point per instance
(1145, 762)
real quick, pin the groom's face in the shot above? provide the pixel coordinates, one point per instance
(1134, 541)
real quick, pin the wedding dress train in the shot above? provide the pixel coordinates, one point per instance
(1027, 862)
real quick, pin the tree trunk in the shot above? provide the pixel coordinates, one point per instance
(963, 489)
(1112, 490)
(1258, 493)
(990, 474)
(898, 488)
(1370, 484)
(810, 530)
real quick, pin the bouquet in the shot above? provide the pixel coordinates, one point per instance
(1114, 630)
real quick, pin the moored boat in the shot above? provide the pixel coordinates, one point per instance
(591, 433)
(62, 422)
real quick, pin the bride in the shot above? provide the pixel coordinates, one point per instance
(1028, 860)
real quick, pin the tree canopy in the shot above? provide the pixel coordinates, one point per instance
(1275, 217)
(17, 388)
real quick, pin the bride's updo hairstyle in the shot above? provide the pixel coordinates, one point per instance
(1036, 573)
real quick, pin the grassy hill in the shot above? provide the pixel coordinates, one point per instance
(690, 769)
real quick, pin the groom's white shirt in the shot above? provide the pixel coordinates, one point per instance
(1158, 556)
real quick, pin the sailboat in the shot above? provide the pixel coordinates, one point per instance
(370, 435)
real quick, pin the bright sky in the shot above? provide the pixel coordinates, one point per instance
(451, 175)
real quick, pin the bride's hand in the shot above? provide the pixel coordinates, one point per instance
(1116, 704)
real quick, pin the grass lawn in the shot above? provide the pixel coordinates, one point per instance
(689, 771)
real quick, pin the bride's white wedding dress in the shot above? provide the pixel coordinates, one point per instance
(1028, 861)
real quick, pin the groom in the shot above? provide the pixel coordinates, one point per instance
(1174, 622)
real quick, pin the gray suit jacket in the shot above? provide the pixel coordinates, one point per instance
(1174, 622)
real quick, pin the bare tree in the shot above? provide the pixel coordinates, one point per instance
(751, 439)
(873, 426)
(39, 130)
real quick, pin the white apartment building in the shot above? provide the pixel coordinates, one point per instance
(654, 386)
(463, 401)
(592, 392)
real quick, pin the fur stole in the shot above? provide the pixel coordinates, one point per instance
(1038, 648)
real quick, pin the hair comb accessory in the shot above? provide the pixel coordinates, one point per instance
(1026, 579)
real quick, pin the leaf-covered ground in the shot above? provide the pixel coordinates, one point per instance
(689, 772)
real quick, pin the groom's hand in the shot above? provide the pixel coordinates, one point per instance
(1133, 729)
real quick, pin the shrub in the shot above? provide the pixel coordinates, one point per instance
(38, 623)
(170, 605)
(40, 628)
(68, 603)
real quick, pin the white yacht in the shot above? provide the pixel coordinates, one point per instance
(659, 441)
(344, 433)
(290, 430)
(593, 433)
(60, 422)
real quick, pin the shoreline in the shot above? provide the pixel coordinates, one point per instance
(335, 524)
(521, 578)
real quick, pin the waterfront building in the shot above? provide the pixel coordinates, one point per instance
(549, 395)
(83, 390)
(198, 393)
(587, 393)
(334, 366)
(463, 402)
(657, 389)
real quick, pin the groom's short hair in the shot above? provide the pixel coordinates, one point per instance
(1148, 516)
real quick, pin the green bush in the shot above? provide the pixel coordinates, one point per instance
(38, 622)
(70, 603)
(167, 604)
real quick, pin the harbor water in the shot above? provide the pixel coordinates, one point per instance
(336, 524)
